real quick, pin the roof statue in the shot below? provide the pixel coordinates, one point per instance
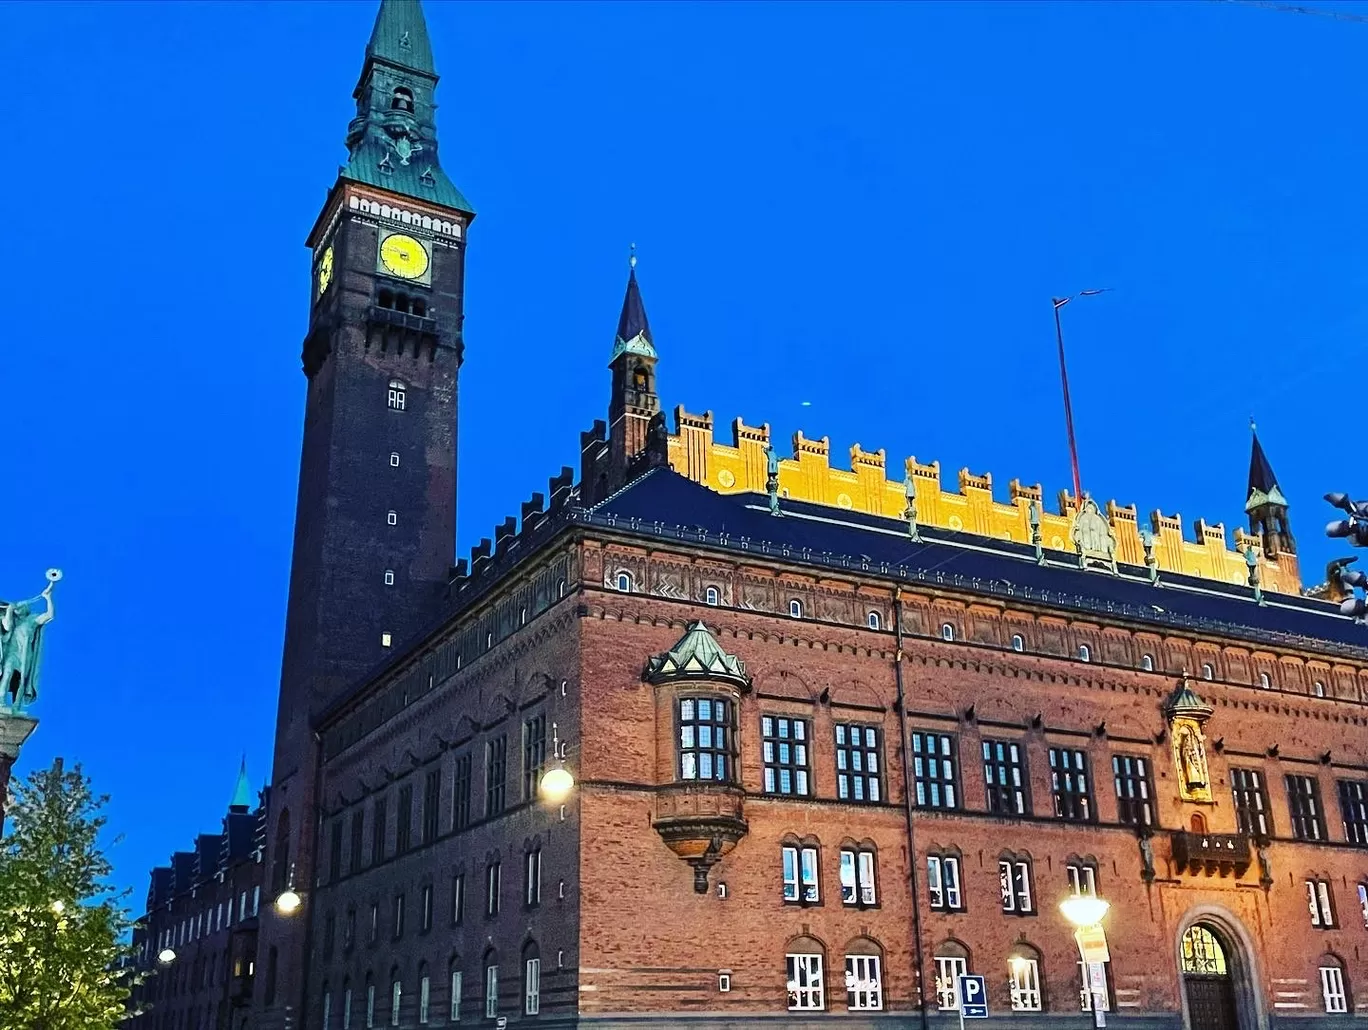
(910, 492)
(1093, 536)
(698, 655)
(21, 641)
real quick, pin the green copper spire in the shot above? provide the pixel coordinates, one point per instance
(242, 793)
(393, 138)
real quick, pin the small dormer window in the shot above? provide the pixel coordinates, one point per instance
(1208, 673)
(710, 596)
(624, 582)
(1084, 653)
(1318, 688)
(947, 631)
(402, 100)
(1264, 681)
(1147, 662)
(1017, 643)
(873, 620)
(796, 608)
(398, 395)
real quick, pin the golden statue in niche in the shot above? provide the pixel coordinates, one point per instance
(1187, 713)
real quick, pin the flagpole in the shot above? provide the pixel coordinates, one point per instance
(1068, 407)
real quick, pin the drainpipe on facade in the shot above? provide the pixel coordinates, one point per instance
(919, 964)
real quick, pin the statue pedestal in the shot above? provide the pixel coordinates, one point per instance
(15, 728)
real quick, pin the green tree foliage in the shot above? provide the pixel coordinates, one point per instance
(63, 960)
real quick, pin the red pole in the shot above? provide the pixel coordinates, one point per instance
(1068, 407)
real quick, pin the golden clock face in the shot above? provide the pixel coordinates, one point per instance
(403, 256)
(325, 270)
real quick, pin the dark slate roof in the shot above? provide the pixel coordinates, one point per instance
(1263, 484)
(400, 36)
(633, 331)
(663, 503)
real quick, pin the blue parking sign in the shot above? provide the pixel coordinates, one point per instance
(973, 996)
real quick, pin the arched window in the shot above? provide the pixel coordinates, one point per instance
(522, 616)
(1318, 688)
(947, 631)
(796, 608)
(1084, 653)
(370, 1001)
(1024, 981)
(424, 992)
(456, 986)
(805, 975)
(1147, 662)
(639, 378)
(1017, 643)
(386, 299)
(396, 995)
(952, 961)
(560, 588)
(1202, 954)
(1264, 681)
(874, 621)
(491, 984)
(398, 395)
(531, 979)
(624, 582)
(1334, 989)
(863, 976)
(711, 596)
(1208, 673)
(420, 306)
(402, 100)
(1198, 823)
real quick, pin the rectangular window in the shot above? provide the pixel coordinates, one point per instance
(398, 916)
(491, 992)
(1303, 800)
(378, 827)
(933, 770)
(1071, 786)
(374, 923)
(784, 743)
(534, 754)
(1353, 798)
(943, 883)
(1086, 994)
(346, 1009)
(424, 992)
(335, 850)
(532, 987)
(496, 768)
(1082, 879)
(1024, 984)
(455, 1016)
(358, 824)
(1363, 903)
(458, 899)
(256, 899)
(493, 876)
(432, 799)
(863, 987)
(800, 874)
(1134, 796)
(857, 877)
(1318, 900)
(1014, 877)
(370, 1006)
(427, 908)
(1004, 773)
(1332, 989)
(532, 879)
(705, 739)
(1250, 795)
(857, 763)
(349, 929)
(805, 983)
(403, 830)
(396, 398)
(949, 968)
(396, 996)
(460, 794)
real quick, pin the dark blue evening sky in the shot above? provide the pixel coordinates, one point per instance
(864, 207)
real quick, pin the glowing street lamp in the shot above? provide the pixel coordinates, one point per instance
(287, 902)
(1084, 910)
(556, 782)
(1086, 913)
(166, 956)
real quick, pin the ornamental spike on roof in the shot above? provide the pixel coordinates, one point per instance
(400, 36)
(698, 655)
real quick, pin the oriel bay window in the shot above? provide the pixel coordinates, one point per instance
(705, 739)
(801, 883)
(857, 876)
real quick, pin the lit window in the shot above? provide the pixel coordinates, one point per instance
(394, 459)
(389, 577)
(949, 968)
(863, 989)
(784, 748)
(1017, 643)
(491, 992)
(1318, 688)
(805, 983)
(796, 608)
(857, 763)
(398, 393)
(947, 631)
(705, 726)
(1086, 995)
(943, 883)
(1208, 673)
(1147, 662)
(1084, 653)
(1363, 903)
(857, 877)
(532, 879)
(800, 875)
(1318, 901)
(710, 596)
(624, 582)
(396, 996)
(385, 639)
(1014, 877)
(1082, 879)
(874, 623)
(392, 518)
(1332, 988)
(1024, 985)
(1264, 681)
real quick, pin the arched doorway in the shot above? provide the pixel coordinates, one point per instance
(1207, 981)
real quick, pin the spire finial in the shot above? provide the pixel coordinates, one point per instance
(631, 258)
(242, 790)
(1252, 427)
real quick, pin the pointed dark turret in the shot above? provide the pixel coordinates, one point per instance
(634, 330)
(1266, 505)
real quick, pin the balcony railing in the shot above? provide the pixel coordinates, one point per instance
(1221, 853)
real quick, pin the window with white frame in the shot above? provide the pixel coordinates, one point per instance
(943, 883)
(1014, 876)
(1318, 688)
(491, 991)
(1208, 673)
(1082, 879)
(396, 996)
(1084, 653)
(394, 459)
(711, 596)
(1318, 901)
(947, 631)
(705, 727)
(800, 874)
(455, 1014)
(389, 577)
(796, 608)
(397, 398)
(874, 621)
(1363, 903)
(864, 991)
(1017, 643)
(624, 582)
(857, 877)
(1024, 983)
(805, 991)
(392, 517)
(424, 994)
(949, 968)
(1332, 988)
(1147, 662)
(532, 987)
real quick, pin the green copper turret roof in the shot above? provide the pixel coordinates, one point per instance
(393, 138)
(242, 792)
(698, 655)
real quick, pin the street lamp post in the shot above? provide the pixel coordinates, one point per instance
(1085, 914)
(557, 781)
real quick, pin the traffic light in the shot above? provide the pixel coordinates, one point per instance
(1344, 583)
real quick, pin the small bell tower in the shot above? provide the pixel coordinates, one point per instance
(1266, 505)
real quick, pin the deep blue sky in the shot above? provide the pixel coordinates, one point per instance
(866, 207)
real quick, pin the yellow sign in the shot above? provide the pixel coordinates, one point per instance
(1092, 943)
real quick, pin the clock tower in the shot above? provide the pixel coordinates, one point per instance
(375, 520)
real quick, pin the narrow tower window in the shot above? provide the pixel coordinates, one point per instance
(392, 518)
(1084, 653)
(796, 608)
(1208, 673)
(710, 595)
(402, 100)
(1017, 643)
(389, 577)
(874, 621)
(947, 632)
(624, 582)
(394, 459)
(397, 395)
(1147, 662)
